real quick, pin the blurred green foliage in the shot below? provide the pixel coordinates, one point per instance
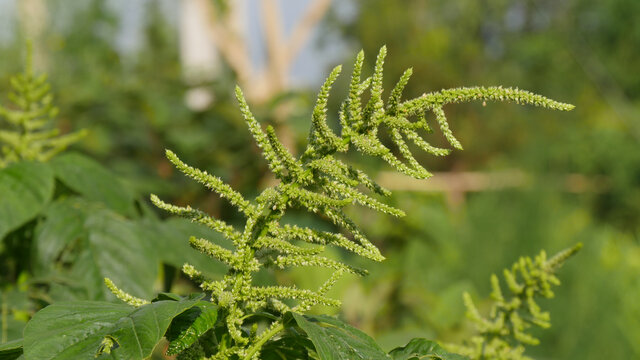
(132, 102)
(580, 51)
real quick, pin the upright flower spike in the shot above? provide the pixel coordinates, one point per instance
(324, 185)
(396, 93)
(375, 107)
(321, 137)
(503, 335)
(275, 164)
(28, 134)
(353, 102)
(292, 165)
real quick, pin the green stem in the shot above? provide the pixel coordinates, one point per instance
(264, 337)
(241, 276)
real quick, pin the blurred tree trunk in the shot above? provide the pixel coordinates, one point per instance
(198, 54)
(226, 27)
(456, 185)
(34, 19)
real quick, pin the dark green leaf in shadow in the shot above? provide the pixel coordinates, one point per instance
(190, 325)
(288, 347)
(11, 350)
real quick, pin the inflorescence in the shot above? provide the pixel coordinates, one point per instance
(29, 135)
(319, 182)
(503, 335)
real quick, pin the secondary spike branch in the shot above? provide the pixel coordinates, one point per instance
(503, 334)
(28, 134)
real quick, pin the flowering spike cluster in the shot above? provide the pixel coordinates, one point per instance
(319, 182)
(29, 135)
(503, 335)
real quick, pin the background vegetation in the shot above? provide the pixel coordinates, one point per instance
(528, 179)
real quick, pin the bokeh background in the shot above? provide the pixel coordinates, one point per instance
(145, 75)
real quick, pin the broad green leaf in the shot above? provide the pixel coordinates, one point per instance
(64, 223)
(80, 243)
(336, 340)
(190, 325)
(77, 330)
(25, 188)
(94, 182)
(121, 253)
(71, 330)
(419, 348)
(139, 333)
(11, 350)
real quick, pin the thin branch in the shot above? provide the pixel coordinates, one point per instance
(278, 63)
(464, 182)
(230, 42)
(301, 32)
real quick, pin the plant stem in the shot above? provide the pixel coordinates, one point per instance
(264, 337)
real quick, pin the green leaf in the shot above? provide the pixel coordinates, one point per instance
(78, 330)
(25, 188)
(80, 243)
(93, 181)
(190, 325)
(64, 223)
(420, 348)
(121, 253)
(336, 340)
(11, 350)
(71, 330)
